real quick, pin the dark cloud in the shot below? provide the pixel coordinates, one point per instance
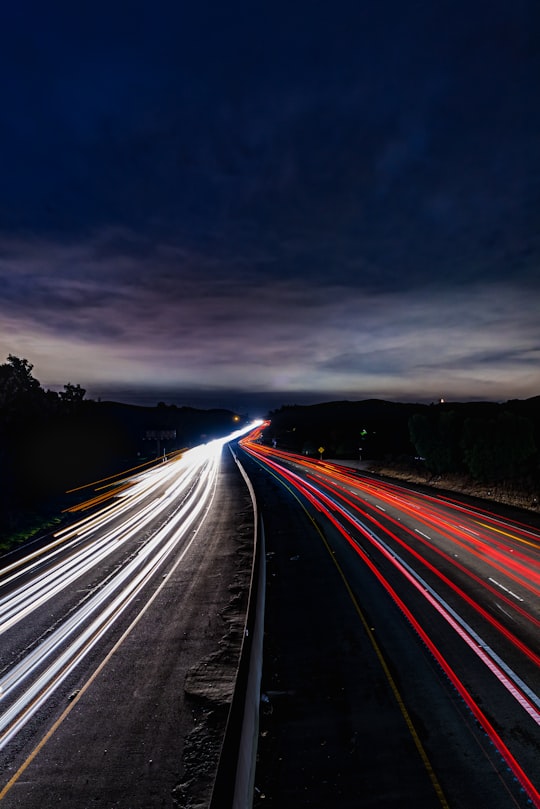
(326, 194)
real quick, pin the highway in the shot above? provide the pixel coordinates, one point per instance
(101, 625)
(400, 656)
(422, 614)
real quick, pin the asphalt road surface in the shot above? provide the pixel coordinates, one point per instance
(400, 653)
(120, 640)
(401, 645)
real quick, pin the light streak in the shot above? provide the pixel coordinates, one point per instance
(152, 519)
(492, 552)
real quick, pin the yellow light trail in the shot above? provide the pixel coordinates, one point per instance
(507, 534)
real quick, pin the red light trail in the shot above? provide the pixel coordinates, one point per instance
(359, 510)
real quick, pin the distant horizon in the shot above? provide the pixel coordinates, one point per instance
(258, 404)
(215, 207)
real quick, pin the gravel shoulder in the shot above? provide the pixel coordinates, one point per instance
(511, 494)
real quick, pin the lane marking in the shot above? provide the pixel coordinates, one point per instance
(378, 652)
(505, 612)
(506, 534)
(513, 764)
(506, 590)
(52, 730)
(469, 530)
(397, 694)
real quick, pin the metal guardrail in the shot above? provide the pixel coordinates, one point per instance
(235, 777)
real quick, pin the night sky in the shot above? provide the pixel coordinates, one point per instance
(228, 203)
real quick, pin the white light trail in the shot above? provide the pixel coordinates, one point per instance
(164, 502)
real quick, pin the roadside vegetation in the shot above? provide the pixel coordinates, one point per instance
(52, 442)
(486, 449)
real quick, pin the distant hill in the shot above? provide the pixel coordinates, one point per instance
(49, 449)
(372, 427)
(375, 428)
(102, 436)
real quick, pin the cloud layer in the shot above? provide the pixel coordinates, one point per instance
(167, 323)
(339, 198)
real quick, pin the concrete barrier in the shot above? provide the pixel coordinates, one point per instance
(235, 777)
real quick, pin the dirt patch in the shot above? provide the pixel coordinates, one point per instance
(209, 688)
(201, 754)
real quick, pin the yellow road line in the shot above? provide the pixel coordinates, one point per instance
(52, 730)
(506, 534)
(399, 699)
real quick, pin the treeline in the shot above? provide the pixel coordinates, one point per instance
(29, 418)
(486, 440)
(500, 444)
(51, 442)
(372, 428)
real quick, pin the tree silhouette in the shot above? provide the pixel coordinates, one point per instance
(436, 438)
(496, 449)
(19, 390)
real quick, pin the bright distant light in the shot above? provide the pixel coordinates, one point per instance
(237, 433)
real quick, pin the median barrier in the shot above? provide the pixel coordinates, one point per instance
(235, 778)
